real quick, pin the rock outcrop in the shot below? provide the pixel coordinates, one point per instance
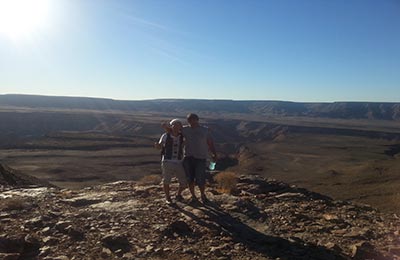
(263, 219)
(14, 178)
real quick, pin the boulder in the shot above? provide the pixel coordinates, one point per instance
(116, 242)
(179, 228)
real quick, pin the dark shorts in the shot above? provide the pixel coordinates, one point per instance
(195, 170)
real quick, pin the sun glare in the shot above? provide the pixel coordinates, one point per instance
(22, 18)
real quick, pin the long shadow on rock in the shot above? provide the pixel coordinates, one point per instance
(268, 246)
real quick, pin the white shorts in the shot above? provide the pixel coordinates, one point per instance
(171, 169)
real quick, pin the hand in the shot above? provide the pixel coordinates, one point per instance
(214, 157)
(165, 125)
(157, 145)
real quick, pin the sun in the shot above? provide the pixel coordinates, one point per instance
(22, 18)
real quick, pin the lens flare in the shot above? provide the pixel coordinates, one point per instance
(22, 18)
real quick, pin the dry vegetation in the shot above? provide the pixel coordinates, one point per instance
(226, 181)
(150, 179)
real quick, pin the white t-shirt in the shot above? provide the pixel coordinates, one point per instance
(175, 147)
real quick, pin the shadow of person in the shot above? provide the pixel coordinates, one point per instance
(219, 221)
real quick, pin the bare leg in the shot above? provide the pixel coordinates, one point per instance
(191, 188)
(180, 189)
(202, 190)
(166, 190)
(204, 198)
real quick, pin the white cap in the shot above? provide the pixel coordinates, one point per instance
(174, 121)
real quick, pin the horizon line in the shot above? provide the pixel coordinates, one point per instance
(199, 99)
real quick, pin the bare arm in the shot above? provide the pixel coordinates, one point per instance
(211, 147)
(157, 145)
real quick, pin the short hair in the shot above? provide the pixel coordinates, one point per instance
(193, 116)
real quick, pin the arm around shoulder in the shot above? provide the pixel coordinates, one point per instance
(160, 143)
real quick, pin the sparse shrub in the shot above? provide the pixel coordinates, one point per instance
(333, 173)
(150, 179)
(226, 181)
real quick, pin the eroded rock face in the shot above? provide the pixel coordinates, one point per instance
(265, 219)
(12, 178)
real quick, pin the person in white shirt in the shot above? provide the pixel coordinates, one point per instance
(171, 145)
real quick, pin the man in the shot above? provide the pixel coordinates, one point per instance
(198, 143)
(171, 162)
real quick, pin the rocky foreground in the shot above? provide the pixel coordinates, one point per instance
(264, 219)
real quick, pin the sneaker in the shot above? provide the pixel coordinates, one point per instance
(179, 198)
(169, 201)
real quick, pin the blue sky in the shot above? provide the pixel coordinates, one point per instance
(309, 50)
